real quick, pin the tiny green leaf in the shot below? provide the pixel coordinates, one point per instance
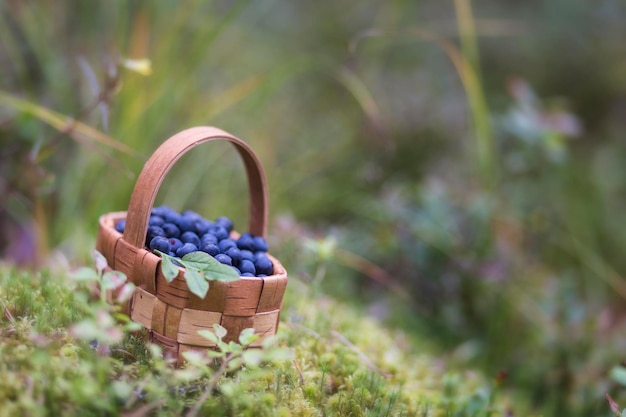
(618, 374)
(220, 332)
(209, 335)
(235, 364)
(121, 389)
(193, 357)
(215, 354)
(170, 271)
(84, 274)
(252, 357)
(278, 355)
(112, 280)
(101, 261)
(132, 327)
(247, 336)
(196, 282)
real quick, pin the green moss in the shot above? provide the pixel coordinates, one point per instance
(343, 364)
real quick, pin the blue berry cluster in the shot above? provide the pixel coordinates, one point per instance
(178, 234)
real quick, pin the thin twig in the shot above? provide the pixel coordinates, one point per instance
(144, 410)
(304, 329)
(371, 270)
(297, 365)
(362, 355)
(210, 386)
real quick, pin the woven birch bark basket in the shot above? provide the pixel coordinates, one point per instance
(171, 314)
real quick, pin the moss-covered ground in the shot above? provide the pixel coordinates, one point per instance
(334, 361)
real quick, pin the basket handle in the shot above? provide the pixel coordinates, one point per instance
(159, 164)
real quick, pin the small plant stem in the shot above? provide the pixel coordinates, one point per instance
(470, 73)
(210, 386)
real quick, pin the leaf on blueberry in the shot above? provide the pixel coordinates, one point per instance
(196, 282)
(170, 271)
(198, 260)
(199, 268)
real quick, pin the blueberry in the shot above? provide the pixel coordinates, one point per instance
(210, 248)
(203, 226)
(190, 237)
(247, 266)
(236, 270)
(246, 242)
(185, 249)
(247, 274)
(235, 255)
(224, 259)
(191, 215)
(172, 253)
(258, 255)
(261, 275)
(186, 224)
(260, 245)
(220, 232)
(226, 244)
(171, 217)
(154, 231)
(209, 238)
(119, 226)
(246, 254)
(263, 265)
(160, 243)
(156, 221)
(171, 230)
(161, 211)
(175, 243)
(225, 222)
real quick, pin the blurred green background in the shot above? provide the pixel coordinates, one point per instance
(455, 168)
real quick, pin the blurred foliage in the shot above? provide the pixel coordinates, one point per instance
(327, 360)
(459, 164)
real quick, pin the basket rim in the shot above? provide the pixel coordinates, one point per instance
(108, 221)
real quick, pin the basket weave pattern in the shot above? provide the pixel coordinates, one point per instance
(169, 311)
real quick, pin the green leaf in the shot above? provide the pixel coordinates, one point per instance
(235, 364)
(170, 271)
(101, 261)
(84, 274)
(212, 268)
(198, 260)
(209, 335)
(112, 280)
(194, 357)
(278, 355)
(121, 389)
(220, 331)
(247, 336)
(252, 357)
(196, 282)
(221, 272)
(618, 374)
(132, 327)
(215, 354)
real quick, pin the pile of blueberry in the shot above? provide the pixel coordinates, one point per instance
(178, 234)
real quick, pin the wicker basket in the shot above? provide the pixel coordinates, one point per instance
(169, 311)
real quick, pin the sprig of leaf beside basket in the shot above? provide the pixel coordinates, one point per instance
(200, 268)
